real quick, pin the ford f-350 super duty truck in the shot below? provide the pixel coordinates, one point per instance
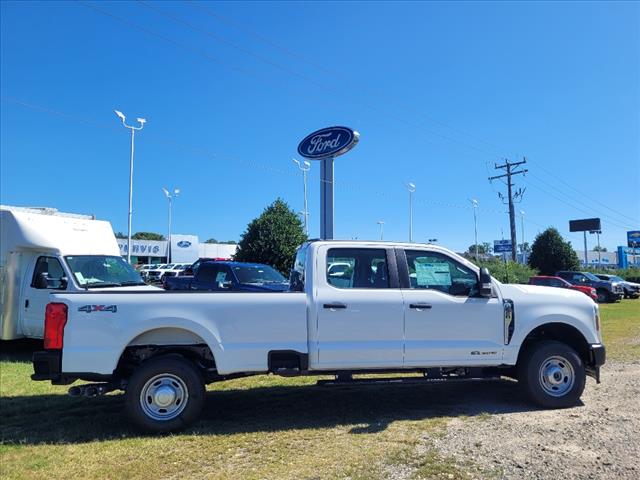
(389, 307)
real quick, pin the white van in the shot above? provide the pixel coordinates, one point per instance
(43, 251)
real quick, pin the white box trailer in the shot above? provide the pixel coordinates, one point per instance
(43, 251)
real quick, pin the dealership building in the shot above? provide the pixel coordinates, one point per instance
(184, 249)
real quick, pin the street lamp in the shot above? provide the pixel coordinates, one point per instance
(381, 223)
(411, 187)
(474, 202)
(141, 121)
(598, 232)
(304, 166)
(524, 253)
(170, 196)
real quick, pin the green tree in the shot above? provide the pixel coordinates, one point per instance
(226, 242)
(551, 253)
(599, 249)
(120, 235)
(211, 240)
(272, 238)
(483, 248)
(147, 236)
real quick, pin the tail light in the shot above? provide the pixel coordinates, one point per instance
(55, 318)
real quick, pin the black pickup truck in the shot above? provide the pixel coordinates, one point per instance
(607, 291)
(230, 276)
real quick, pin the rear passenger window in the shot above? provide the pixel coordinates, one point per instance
(357, 268)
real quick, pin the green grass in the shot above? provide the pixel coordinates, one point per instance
(258, 427)
(621, 329)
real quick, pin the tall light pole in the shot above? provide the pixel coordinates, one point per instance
(133, 129)
(474, 202)
(381, 223)
(304, 166)
(411, 187)
(524, 253)
(170, 196)
(598, 232)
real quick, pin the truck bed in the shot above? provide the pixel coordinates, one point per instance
(239, 328)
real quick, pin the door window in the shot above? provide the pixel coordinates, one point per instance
(357, 268)
(435, 271)
(207, 273)
(49, 265)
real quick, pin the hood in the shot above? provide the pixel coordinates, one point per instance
(537, 293)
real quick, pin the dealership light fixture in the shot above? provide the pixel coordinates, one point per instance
(411, 187)
(304, 167)
(141, 121)
(170, 196)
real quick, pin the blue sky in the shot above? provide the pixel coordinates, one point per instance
(438, 91)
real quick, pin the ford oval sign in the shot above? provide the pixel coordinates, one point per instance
(184, 244)
(328, 142)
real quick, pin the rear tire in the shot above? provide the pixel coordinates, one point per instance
(552, 374)
(164, 394)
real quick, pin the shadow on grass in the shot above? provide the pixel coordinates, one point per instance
(19, 350)
(49, 418)
(368, 408)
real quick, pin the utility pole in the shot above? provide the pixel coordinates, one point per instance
(474, 202)
(381, 223)
(411, 187)
(511, 171)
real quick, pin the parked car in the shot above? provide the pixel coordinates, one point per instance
(144, 269)
(155, 275)
(561, 283)
(42, 251)
(190, 270)
(231, 276)
(452, 321)
(174, 271)
(607, 291)
(631, 289)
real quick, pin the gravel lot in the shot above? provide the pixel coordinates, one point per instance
(599, 439)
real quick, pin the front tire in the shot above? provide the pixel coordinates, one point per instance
(164, 394)
(552, 374)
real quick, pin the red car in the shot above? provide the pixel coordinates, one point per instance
(561, 283)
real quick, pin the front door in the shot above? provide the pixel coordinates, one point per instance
(34, 301)
(359, 309)
(446, 323)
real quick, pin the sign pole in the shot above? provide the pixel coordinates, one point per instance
(326, 198)
(586, 261)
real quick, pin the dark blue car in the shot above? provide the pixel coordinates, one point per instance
(219, 276)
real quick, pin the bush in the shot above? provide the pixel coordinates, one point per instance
(509, 272)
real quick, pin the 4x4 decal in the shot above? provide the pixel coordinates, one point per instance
(98, 308)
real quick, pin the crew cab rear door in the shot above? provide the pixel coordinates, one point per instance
(359, 308)
(446, 324)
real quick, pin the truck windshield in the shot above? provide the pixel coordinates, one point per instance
(591, 276)
(92, 271)
(257, 274)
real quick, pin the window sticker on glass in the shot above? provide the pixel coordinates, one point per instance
(80, 277)
(433, 274)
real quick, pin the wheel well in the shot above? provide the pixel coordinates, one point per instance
(560, 332)
(135, 355)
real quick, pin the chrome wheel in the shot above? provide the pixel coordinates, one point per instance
(556, 376)
(164, 397)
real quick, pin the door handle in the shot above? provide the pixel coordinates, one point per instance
(26, 303)
(334, 305)
(420, 306)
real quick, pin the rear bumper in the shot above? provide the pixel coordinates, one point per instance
(47, 365)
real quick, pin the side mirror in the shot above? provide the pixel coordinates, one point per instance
(484, 285)
(187, 271)
(42, 281)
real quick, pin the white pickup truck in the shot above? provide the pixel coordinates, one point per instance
(389, 308)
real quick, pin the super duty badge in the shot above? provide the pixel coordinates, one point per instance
(98, 308)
